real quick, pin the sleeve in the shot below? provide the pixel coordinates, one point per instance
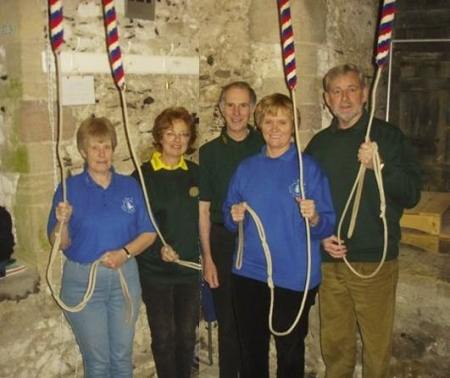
(57, 198)
(205, 187)
(319, 191)
(135, 175)
(311, 146)
(401, 172)
(6, 235)
(233, 197)
(143, 221)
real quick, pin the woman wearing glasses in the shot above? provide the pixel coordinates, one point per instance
(170, 291)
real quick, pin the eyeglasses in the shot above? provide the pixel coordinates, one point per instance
(171, 135)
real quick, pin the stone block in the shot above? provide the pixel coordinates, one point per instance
(36, 188)
(31, 228)
(41, 158)
(311, 117)
(34, 122)
(15, 159)
(268, 62)
(309, 90)
(264, 26)
(35, 84)
(31, 21)
(309, 22)
(445, 70)
(9, 21)
(268, 85)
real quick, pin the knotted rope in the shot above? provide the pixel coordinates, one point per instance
(115, 59)
(57, 41)
(288, 51)
(383, 46)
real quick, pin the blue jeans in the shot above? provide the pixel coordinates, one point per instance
(103, 334)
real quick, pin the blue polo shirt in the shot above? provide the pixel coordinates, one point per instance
(269, 186)
(102, 219)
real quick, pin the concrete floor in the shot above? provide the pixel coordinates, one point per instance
(422, 321)
(206, 370)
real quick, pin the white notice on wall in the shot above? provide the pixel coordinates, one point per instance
(78, 90)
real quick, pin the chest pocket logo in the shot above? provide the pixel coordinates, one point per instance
(193, 191)
(128, 205)
(294, 189)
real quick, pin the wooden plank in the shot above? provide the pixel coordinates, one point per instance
(428, 214)
(429, 223)
(421, 240)
(431, 203)
(429, 242)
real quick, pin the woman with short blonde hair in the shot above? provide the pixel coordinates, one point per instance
(105, 219)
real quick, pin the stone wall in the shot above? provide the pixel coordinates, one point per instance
(37, 340)
(232, 40)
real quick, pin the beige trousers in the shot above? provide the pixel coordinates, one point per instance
(349, 304)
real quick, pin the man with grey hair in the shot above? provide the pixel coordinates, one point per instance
(347, 302)
(218, 161)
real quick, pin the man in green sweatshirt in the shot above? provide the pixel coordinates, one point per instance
(347, 302)
(218, 160)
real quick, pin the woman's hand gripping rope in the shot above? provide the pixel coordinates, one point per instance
(168, 254)
(238, 214)
(308, 210)
(63, 212)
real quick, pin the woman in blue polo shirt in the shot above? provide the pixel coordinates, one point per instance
(269, 183)
(105, 218)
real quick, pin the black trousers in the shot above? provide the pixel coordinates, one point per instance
(173, 314)
(252, 301)
(222, 250)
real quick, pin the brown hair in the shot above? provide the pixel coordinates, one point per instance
(240, 85)
(94, 127)
(165, 121)
(343, 69)
(271, 104)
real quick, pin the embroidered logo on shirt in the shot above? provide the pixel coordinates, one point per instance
(294, 189)
(193, 191)
(128, 205)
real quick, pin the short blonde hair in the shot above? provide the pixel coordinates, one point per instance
(94, 127)
(271, 104)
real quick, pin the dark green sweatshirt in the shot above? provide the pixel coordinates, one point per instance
(174, 200)
(219, 159)
(336, 150)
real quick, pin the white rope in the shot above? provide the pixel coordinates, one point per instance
(357, 193)
(270, 284)
(57, 243)
(188, 264)
(51, 79)
(265, 246)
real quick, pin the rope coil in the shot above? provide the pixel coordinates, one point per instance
(115, 58)
(288, 53)
(383, 46)
(266, 249)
